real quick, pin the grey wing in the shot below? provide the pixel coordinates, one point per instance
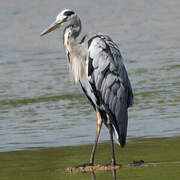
(110, 83)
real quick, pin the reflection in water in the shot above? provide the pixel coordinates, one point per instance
(114, 174)
(93, 175)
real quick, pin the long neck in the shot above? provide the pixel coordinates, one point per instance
(73, 51)
(70, 33)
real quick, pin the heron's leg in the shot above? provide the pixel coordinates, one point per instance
(111, 138)
(99, 125)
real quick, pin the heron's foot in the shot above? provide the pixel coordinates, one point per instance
(113, 164)
(85, 165)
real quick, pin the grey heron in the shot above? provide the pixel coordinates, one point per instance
(96, 63)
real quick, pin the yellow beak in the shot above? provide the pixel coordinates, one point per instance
(52, 27)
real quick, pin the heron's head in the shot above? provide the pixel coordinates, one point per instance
(65, 18)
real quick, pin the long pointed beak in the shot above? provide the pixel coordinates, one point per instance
(52, 27)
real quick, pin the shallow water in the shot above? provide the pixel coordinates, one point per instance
(50, 163)
(40, 106)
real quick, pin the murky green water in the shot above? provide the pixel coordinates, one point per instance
(39, 105)
(50, 163)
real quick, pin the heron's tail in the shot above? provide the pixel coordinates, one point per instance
(120, 128)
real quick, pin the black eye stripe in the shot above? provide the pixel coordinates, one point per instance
(68, 13)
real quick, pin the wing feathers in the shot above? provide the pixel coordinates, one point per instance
(110, 80)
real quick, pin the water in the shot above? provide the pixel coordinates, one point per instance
(40, 106)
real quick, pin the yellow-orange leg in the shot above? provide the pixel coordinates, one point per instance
(99, 125)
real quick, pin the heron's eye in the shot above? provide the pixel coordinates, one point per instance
(68, 13)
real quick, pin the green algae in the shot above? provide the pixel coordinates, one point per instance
(161, 154)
